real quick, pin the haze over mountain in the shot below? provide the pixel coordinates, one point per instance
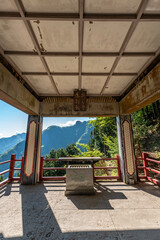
(52, 137)
(9, 142)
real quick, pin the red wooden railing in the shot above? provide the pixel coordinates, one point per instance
(11, 170)
(107, 177)
(143, 163)
(63, 178)
(147, 169)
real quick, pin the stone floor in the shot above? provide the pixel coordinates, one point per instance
(117, 211)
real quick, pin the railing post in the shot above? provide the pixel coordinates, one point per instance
(12, 164)
(119, 168)
(41, 169)
(138, 179)
(21, 169)
(145, 164)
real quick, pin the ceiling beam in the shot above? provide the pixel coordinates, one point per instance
(75, 16)
(35, 42)
(14, 92)
(84, 54)
(77, 74)
(126, 40)
(80, 37)
(26, 83)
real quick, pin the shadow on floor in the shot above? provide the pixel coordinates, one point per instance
(40, 223)
(98, 201)
(149, 188)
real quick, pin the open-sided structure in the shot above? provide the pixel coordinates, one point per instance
(49, 49)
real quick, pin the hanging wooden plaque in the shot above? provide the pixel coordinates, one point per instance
(80, 103)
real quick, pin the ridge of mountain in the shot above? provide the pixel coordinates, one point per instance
(54, 137)
(8, 143)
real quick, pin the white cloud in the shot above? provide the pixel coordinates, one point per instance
(9, 134)
(65, 124)
(69, 123)
(1, 135)
(18, 132)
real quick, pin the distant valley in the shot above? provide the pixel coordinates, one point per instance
(52, 137)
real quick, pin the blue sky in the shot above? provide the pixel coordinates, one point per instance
(13, 121)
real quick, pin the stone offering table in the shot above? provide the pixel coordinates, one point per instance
(79, 175)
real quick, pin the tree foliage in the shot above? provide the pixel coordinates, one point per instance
(1, 178)
(146, 129)
(103, 135)
(70, 150)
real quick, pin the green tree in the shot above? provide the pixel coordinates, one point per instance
(72, 150)
(112, 144)
(103, 128)
(1, 178)
(68, 151)
(87, 151)
(146, 129)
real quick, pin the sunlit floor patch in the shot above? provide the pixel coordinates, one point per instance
(116, 212)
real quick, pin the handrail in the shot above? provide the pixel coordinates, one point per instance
(118, 177)
(4, 182)
(6, 171)
(5, 162)
(153, 170)
(152, 160)
(147, 169)
(11, 170)
(51, 159)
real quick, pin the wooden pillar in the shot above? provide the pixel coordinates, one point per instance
(126, 149)
(31, 164)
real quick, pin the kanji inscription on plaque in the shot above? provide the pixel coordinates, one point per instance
(80, 103)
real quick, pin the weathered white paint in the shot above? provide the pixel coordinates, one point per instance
(28, 63)
(62, 64)
(42, 84)
(92, 84)
(104, 36)
(131, 64)
(117, 84)
(57, 36)
(54, 6)
(97, 64)
(111, 6)
(145, 37)
(66, 84)
(14, 36)
(8, 6)
(153, 7)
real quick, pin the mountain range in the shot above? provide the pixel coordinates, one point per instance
(53, 137)
(9, 142)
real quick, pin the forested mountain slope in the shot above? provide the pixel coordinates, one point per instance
(54, 137)
(9, 142)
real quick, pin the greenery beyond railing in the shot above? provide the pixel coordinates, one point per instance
(147, 168)
(58, 173)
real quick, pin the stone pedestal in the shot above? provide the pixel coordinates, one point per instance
(79, 179)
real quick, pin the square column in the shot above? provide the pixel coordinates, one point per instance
(126, 149)
(31, 164)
